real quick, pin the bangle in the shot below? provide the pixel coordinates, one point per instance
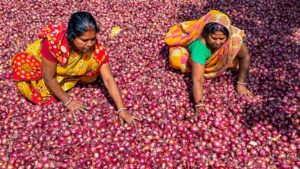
(241, 83)
(68, 102)
(124, 108)
(199, 105)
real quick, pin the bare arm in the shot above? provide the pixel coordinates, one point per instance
(111, 85)
(198, 77)
(49, 72)
(114, 92)
(244, 63)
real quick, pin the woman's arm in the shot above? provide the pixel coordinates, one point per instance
(49, 72)
(49, 77)
(244, 63)
(198, 77)
(114, 92)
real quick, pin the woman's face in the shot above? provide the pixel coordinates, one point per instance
(86, 41)
(216, 40)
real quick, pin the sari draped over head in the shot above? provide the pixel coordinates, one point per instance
(183, 34)
(72, 67)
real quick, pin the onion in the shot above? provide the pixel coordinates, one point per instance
(234, 132)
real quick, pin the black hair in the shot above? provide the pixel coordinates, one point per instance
(214, 27)
(79, 23)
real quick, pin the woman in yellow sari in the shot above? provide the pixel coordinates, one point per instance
(63, 57)
(207, 47)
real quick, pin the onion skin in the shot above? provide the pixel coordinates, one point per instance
(234, 132)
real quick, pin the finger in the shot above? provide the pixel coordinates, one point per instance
(248, 93)
(116, 117)
(83, 107)
(251, 94)
(134, 123)
(86, 110)
(79, 104)
(82, 110)
(71, 111)
(129, 121)
(195, 116)
(138, 119)
(121, 121)
(200, 109)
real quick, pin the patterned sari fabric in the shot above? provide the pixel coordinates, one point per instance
(181, 35)
(71, 66)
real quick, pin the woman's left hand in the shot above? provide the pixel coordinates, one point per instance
(127, 117)
(242, 89)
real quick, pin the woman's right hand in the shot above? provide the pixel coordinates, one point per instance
(125, 116)
(75, 105)
(49, 77)
(200, 109)
(243, 90)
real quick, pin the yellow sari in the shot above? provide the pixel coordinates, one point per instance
(181, 35)
(75, 68)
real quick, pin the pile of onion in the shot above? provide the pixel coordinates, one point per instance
(234, 132)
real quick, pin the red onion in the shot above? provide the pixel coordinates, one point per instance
(234, 132)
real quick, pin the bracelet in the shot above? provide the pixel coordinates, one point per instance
(241, 83)
(68, 102)
(124, 108)
(199, 105)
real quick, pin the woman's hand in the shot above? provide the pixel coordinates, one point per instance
(127, 117)
(75, 105)
(244, 62)
(114, 92)
(199, 108)
(242, 89)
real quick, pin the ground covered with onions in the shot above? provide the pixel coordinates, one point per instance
(234, 132)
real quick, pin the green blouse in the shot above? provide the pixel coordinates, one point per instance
(199, 52)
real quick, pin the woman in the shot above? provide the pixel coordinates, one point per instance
(207, 47)
(63, 57)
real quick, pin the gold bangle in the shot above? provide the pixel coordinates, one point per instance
(124, 108)
(68, 102)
